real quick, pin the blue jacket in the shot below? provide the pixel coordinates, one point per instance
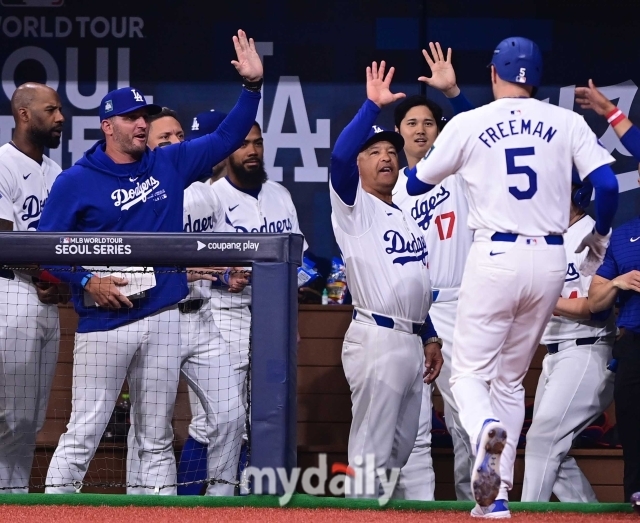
(98, 195)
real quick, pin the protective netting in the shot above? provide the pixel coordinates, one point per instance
(152, 397)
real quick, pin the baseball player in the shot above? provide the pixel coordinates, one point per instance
(29, 329)
(386, 262)
(442, 215)
(618, 279)
(575, 386)
(205, 357)
(251, 203)
(120, 185)
(511, 154)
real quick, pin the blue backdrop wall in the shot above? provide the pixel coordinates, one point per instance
(315, 54)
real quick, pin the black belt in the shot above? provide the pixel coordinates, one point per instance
(552, 348)
(189, 306)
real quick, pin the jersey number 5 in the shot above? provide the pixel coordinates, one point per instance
(452, 220)
(512, 168)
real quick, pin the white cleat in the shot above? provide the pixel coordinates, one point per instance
(485, 478)
(499, 509)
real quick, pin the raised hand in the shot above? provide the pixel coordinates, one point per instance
(378, 86)
(591, 98)
(443, 76)
(248, 63)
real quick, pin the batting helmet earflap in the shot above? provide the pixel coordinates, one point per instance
(518, 60)
(582, 190)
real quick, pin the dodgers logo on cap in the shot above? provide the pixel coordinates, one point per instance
(195, 126)
(108, 106)
(125, 100)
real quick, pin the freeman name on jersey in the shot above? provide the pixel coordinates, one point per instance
(516, 127)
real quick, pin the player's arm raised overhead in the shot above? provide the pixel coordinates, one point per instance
(591, 98)
(344, 168)
(443, 77)
(197, 156)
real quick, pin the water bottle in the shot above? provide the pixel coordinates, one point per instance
(337, 282)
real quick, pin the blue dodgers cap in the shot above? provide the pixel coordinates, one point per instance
(518, 60)
(205, 123)
(378, 134)
(123, 101)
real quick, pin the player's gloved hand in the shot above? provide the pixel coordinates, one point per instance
(433, 361)
(597, 245)
(443, 76)
(248, 63)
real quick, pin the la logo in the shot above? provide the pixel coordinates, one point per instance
(137, 96)
(195, 126)
(377, 129)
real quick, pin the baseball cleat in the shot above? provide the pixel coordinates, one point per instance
(499, 509)
(485, 478)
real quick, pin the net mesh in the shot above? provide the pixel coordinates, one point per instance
(159, 403)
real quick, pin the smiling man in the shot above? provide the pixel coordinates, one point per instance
(121, 185)
(385, 255)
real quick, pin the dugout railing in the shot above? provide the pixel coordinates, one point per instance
(273, 258)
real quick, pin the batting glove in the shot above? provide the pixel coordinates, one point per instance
(597, 244)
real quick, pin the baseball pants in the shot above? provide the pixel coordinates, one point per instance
(234, 330)
(574, 388)
(145, 353)
(29, 342)
(443, 315)
(626, 393)
(218, 388)
(507, 295)
(384, 369)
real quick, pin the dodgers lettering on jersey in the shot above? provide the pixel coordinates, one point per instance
(271, 212)
(576, 286)
(385, 256)
(441, 214)
(516, 157)
(202, 212)
(24, 187)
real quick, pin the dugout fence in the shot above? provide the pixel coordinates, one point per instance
(272, 260)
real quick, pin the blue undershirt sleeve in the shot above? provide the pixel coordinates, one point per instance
(631, 141)
(605, 185)
(344, 169)
(416, 187)
(428, 331)
(460, 104)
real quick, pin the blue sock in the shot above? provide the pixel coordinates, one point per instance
(192, 467)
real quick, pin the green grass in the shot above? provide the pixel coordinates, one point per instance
(298, 501)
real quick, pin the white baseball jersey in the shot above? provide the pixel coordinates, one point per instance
(515, 155)
(576, 285)
(442, 215)
(272, 212)
(202, 212)
(24, 187)
(385, 256)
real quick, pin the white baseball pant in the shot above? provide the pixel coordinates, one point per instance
(218, 388)
(443, 315)
(574, 388)
(145, 353)
(384, 369)
(507, 295)
(29, 341)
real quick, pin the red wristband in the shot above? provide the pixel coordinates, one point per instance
(615, 116)
(48, 277)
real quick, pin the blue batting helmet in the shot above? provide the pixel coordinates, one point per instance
(518, 60)
(582, 190)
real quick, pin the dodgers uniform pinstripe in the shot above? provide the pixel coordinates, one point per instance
(29, 329)
(510, 153)
(442, 215)
(574, 388)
